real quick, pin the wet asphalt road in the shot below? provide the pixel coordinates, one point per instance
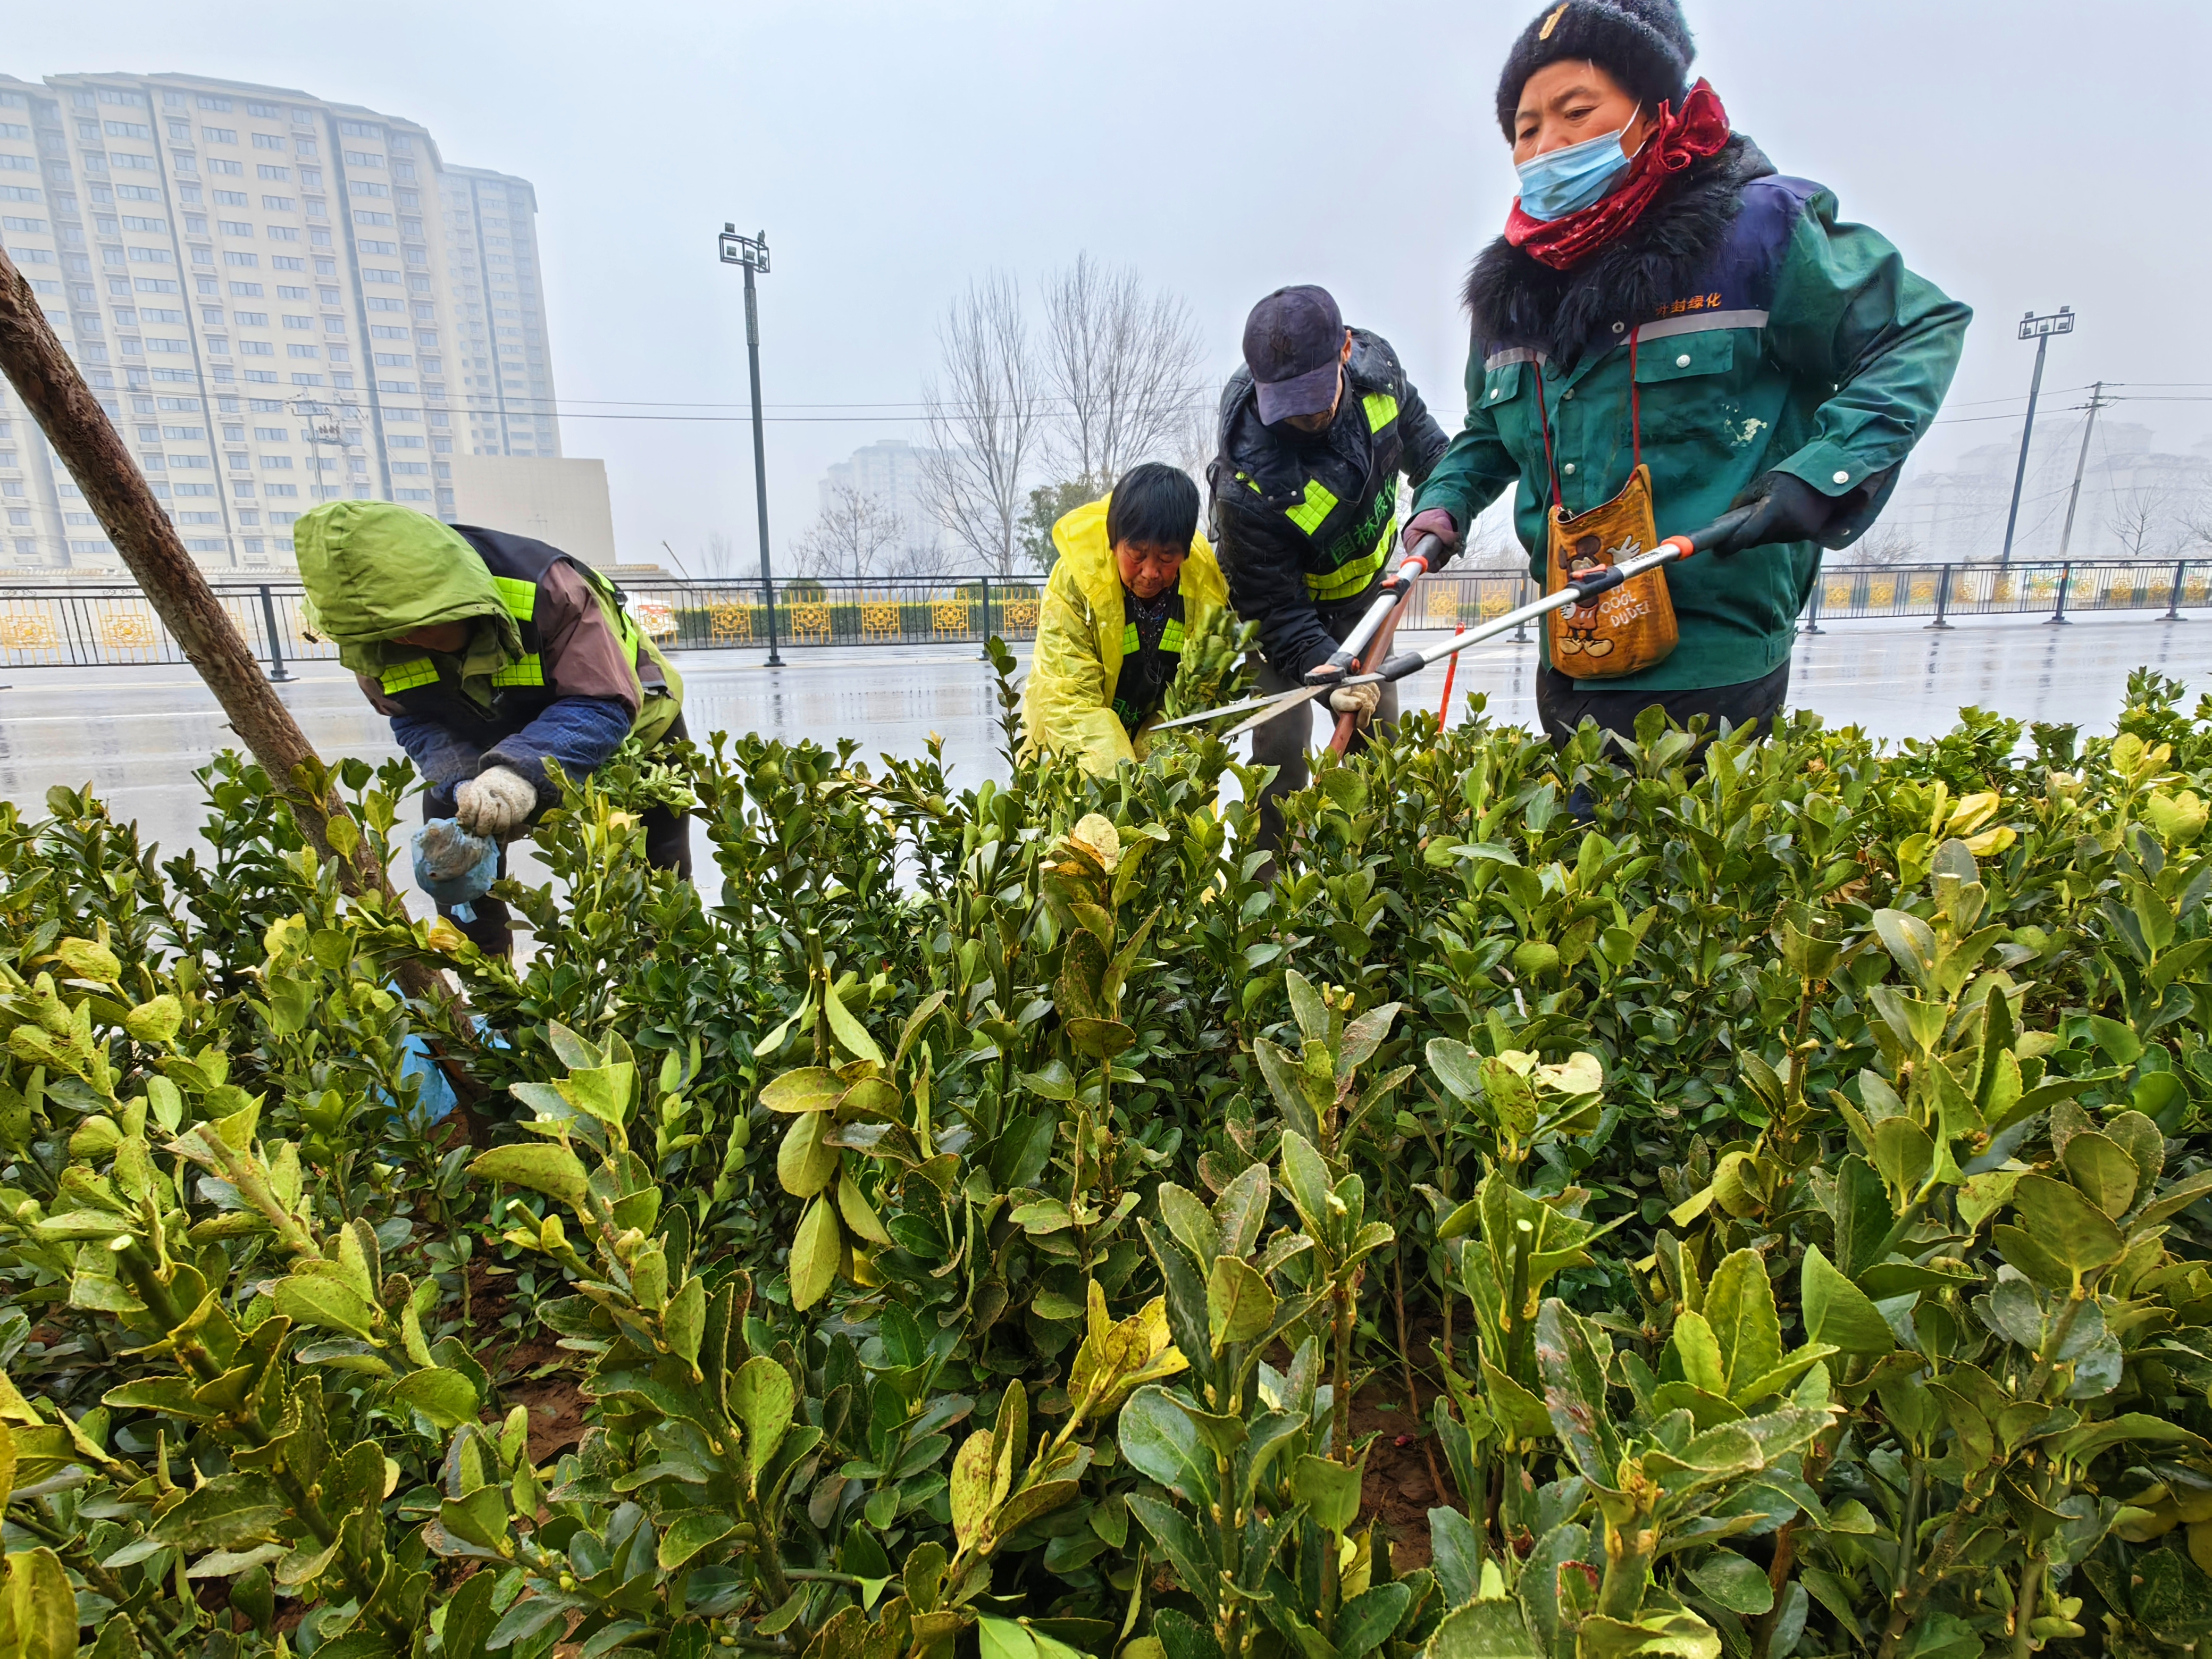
(136, 734)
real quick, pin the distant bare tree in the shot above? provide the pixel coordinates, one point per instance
(927, 561)
(2137, 518)
(984, 422)
(2197, 526)
(858, 535)
(1124, 364)
(721, 556)
(1887, 544)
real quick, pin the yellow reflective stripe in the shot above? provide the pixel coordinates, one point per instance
(1128, 639)
(1246, 479)
(519, 597)
(406, 676)
(1172, 640)
(1348, 579)
(1381, 409)
(531, 671)
(1309, 513)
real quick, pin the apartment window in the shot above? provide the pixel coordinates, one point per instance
(251, 319)
(155, 285)
(284, 292)
(417, 469)
(284, 234)
(267, 112)
(303, 147)
(238, 259)
(284, 262)
(358, 158)
(11, 129)
(152, 256)
(267, 141)
(234, 227)
(377, 302)
(291, 321)
(183, 163)
(256, 348)
(412, 494)
(196, 433)
(219, 135)
(333, 324)
(250, 289)
(206, 101)
(367, 187)
(276, 462)
(368, 216)
(160, 314)
(280, 175)
(129, 130)
(242, 488)
(272, 434)
(297, 350)
(404, 441)
(359, 130)
(372, 274)
(181, 131)
(394, 360)
(37, 227)
(216, 164)
(404, 171)
(158, 227)
(380, 332)
(18, 193)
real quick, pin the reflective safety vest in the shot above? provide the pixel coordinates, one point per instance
(517, 564)
(1352, 545)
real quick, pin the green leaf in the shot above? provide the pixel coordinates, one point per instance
(1574, 1393)
(1003, 1638)
(1836, 1311)
(38, 1609)
(763, 1400)
(810, 1089)
(2066, 1224)
(972, 1476)
(445, 1397)
(1737, 1584)
(804, 1163)
(328, 1304)
(683, 1321)
(1659, 1635)
(850, 1034)
(1329, 1490)
(541, 1167)
(2102, 1172)
(1483, 1630)
(1363, 1622)
(1158, 1436)
(691, 1532)
(1307, 1179)
(1739, 1306)
(1238, 1303)
(229, 1511)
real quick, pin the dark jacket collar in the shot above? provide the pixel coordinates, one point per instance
(1515, 300)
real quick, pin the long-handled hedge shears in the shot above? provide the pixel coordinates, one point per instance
(1334, 673)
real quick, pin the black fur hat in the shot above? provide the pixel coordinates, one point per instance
(1643, 43)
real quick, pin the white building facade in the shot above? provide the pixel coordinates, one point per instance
(278, 300)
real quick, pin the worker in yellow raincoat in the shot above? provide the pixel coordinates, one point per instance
(1133, 580)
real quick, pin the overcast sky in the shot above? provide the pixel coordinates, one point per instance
(2023, 154)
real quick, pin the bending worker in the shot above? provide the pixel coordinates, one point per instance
(492, 655)
(1133, 579)
(1665, 330)
(1315, 428)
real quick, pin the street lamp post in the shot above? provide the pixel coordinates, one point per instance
(2039, 330)
(751, 252)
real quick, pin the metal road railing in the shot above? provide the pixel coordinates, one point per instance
(84, 624)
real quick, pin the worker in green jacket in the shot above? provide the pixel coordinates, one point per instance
(1133, 580)
(1660, 294)
(492, 655)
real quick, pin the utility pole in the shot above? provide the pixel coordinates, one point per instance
(2039, 330)
(2080, 461)
(322, 429)
(751, 252)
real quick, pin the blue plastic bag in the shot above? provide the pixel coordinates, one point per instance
(453, 867)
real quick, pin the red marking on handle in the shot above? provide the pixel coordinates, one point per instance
(1682, 545)
(1451, 670)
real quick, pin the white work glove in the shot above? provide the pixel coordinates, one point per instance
(1360, 700)
(494, 802)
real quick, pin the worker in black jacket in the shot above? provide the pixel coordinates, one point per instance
(1315, 428)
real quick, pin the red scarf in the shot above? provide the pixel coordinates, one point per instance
(1673, 144)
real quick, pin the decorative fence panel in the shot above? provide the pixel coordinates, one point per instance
(65, 624)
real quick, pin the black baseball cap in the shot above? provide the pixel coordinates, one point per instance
(1293, 341)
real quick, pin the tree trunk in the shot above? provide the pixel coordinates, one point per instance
(92, 449)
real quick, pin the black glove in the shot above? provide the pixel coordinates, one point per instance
(1787, 509)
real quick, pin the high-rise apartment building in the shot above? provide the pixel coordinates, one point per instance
(278, 300)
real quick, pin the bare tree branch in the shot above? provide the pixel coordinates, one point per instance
(1124, 364)
(984, 420)
(858, 535)
(2136, 519)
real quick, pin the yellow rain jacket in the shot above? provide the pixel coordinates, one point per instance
(1068, 705)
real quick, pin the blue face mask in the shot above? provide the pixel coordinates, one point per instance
(1566, 181)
